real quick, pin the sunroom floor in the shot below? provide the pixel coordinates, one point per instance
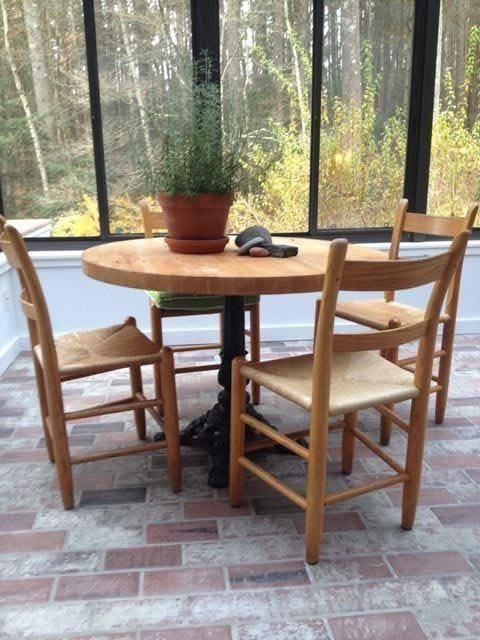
(134, 562)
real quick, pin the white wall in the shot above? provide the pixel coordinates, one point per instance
(78, 302)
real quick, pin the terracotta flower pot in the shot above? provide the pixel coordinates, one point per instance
(196, 224)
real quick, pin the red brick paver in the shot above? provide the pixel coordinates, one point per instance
(380, 626)
(138, 557)
(113, 585)
(133, 561)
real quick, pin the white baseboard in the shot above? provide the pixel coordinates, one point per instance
(11, 351)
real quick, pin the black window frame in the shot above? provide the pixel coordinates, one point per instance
(205, 21)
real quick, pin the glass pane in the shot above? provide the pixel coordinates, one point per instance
(46, 157)
(143, 51)
(455, 160)
(266, 60)
(365, 92)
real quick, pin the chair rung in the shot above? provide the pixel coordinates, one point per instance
(294, 435)
(117, 407)
(265, 443)
(385, 411)
(195, 347)
(377, 450)
(406, 361)
(339, 496)
(153, 411)
(339, 424)
(118, 453)
(200, 367)
(278, 437)
(274, 482)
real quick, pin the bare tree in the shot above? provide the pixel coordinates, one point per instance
(38, 62)
(351, 54)
(23, 99)
(131, 61)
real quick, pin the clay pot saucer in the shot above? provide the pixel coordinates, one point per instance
(216, 245)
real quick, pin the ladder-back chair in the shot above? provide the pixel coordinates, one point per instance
(342, 376)
(173, 305)
(85, 353)
(380, 313)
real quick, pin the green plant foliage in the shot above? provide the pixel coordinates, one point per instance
(196, 152)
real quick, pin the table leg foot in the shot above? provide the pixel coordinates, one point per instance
(211, 432)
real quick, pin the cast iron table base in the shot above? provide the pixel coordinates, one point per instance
(212, 430)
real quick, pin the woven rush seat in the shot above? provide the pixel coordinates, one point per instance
(183, 302)
(99, 350)
(359, 380)
(377, 313)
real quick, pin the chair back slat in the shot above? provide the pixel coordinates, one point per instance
(10, 254)
(153, 218)
(378, 340)
(436, 226)
(438, 271)
(27, 306)
(367, 275)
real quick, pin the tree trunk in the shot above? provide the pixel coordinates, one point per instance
(351, 55)
(136, 83)
(303, 111)
(23, 99)
(232, 54)
(38, 62)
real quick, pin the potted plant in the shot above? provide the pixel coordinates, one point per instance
(195, 169)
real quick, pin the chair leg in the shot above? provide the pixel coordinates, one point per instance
(385, 421)
(221, 327)
(170, 425)
(42, 398)
(444, 371)
(255, 348)
(318, 304)
(157, 339)
(62, 462)
(413, 466)
(316, 488)
(237, 433)
(348, 443)
(137, 387)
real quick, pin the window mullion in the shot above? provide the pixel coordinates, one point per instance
(206, 34)
(96, 116)
(422, 95)
(317, 67)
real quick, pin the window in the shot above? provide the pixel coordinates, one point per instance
(46, 152)
(143, 52)
(367, 50)
(334, 133)
(266, 68)
(455, 155)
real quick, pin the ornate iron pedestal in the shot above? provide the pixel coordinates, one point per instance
(212, 430)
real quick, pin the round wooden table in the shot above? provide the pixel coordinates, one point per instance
(149, 264)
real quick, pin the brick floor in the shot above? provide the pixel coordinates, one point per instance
(135, 562)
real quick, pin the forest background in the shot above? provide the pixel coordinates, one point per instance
(144, 53)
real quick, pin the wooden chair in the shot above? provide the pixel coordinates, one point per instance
(380, 313)
(341, 377)
(85, 353)
(172, 305)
